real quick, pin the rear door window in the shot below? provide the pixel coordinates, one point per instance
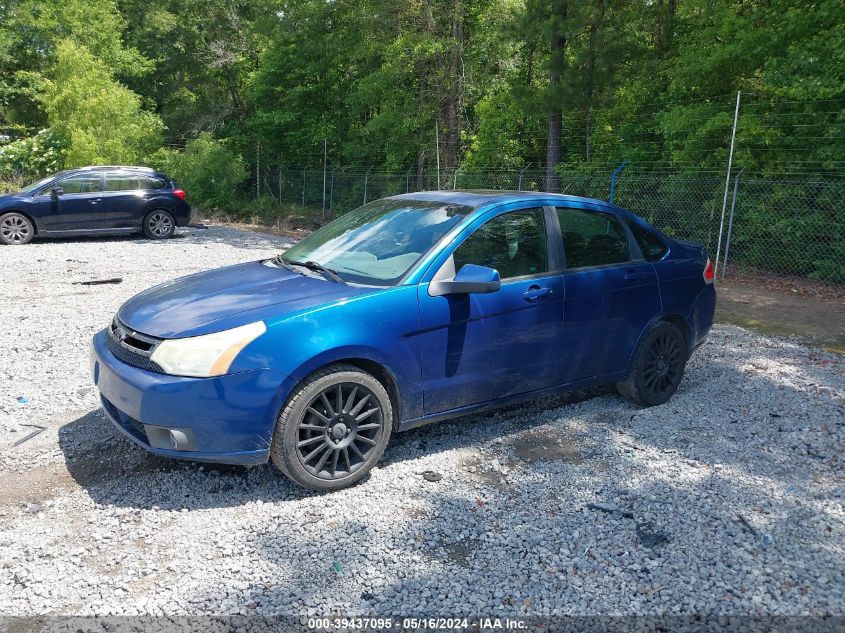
(652, 246)
(122, 181)
(591, 238)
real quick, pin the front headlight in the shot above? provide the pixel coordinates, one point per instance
(207, 355)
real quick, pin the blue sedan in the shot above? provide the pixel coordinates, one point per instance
(409, 310)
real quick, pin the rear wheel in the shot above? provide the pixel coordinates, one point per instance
(16, 229)
(658, 366)
(159, 224)
(333, 429)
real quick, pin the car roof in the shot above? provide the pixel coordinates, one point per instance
(482, 197)
(129, 167)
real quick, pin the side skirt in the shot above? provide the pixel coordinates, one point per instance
(69, 232)
(489, 405)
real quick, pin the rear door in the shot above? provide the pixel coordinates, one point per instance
(124, 198)
(612, 293)
(77, 208)
(480, 347)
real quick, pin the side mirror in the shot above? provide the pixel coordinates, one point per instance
(471, 279)
(57, 191)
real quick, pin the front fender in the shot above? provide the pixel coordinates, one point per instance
(380, 328)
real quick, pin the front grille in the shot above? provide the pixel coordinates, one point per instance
(132, 347)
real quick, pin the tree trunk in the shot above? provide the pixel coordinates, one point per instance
(555, 117)
(590, 88)
(454, 91)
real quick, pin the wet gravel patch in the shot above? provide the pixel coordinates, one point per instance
(542, 509)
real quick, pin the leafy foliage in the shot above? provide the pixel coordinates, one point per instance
(98, 119)
(34, 156)
(210, 171)
(560, 85)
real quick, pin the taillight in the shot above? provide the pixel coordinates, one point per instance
(708, 272)
(179, 193)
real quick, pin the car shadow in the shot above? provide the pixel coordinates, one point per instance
(195, 234)
(114, 471)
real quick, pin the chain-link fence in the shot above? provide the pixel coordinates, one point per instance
(786, 226)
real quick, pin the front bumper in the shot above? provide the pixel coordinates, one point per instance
(227, 419)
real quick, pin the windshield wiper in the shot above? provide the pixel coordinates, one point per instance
(318, 267)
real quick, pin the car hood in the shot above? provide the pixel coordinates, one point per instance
(228, 297)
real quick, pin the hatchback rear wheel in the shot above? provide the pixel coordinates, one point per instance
(333, 429)
(16, 229)
(658, 366)
(159, 224)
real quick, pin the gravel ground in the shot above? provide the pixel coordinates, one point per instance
(742, 472)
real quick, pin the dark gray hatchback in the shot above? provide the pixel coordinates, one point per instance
(94, 200)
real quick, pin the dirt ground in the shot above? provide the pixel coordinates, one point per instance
(817, 317)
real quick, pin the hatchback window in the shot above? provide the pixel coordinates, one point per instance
(513, 243)
(652, 246)
(122, 181)
(81, 183)
(152, 182)
(592, 238)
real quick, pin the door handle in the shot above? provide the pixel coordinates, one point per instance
(97, 201)
(634, 275)
(535, 293)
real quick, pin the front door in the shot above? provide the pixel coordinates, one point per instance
(77, 207)
(481, 347)
(611, 294)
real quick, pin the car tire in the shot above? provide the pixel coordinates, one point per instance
(657, 367)
(16, 229)
(159, 224)
(333, 428)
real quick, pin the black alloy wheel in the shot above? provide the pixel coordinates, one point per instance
(657, 367)
(333, 429)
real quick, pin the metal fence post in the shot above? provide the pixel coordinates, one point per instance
(727, 184)
(325, 163)
(455, 178)
(521, 173)
(257, 169)
(304, 169)
(615, 173)
(408, 179)
(366, 182)
(731, 224)
(331, 192)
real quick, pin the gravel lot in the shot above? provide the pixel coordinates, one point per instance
(90, 524)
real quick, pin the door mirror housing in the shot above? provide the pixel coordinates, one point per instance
(57, 191)
(471, 279)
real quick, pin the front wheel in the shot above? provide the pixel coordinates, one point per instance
(333, 429)
(16, 229)
(159, 224)
(658, 366)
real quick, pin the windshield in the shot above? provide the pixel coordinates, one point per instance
(36, 185)
(379, 242)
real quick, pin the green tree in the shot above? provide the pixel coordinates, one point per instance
(98, 119)
(210, 172)
(30, 32)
